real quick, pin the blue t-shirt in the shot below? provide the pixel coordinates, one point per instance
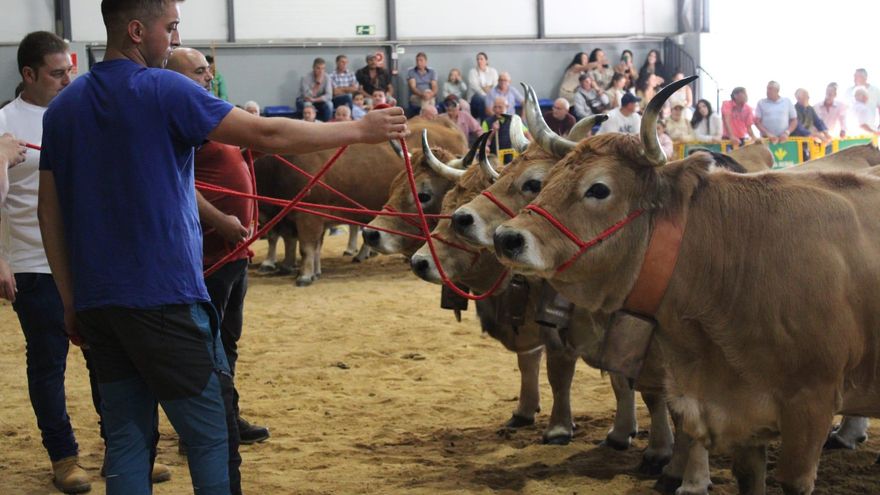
(119, 141)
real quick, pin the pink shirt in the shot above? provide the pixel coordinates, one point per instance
(466, 123)
(833, 116)
(740, 119)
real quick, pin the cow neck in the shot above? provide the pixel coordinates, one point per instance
(659, 263)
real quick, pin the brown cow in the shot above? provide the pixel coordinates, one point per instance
(754, 157)
(755, 346)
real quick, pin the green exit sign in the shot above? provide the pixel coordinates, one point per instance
(365, 30)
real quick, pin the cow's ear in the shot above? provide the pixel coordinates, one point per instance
(673, 185)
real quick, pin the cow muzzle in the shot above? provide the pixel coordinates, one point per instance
(423, 266)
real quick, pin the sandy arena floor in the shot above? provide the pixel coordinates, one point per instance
(368, 387)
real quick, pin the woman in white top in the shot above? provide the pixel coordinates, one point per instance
(683, 97)
(570, 79)
(616, 90)
(481, 80)
(707, 124)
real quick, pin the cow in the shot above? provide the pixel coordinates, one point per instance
(754, 157)
(760, 285)
(363, 173)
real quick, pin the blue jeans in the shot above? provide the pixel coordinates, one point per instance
(171, 355)
(340, 100)
(322, 108)
(227, 288)
(41, 314)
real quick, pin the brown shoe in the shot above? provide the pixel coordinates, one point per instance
(69, 476)
(160, 474)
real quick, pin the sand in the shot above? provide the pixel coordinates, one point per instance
(368, 386)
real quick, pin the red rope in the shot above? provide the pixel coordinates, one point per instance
(501, 206)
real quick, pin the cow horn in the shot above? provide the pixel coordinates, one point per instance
(485, 166)
(584, 126)
(549, 140)
(436, 165)
(518, 138)
(468, 159)
(651, 143)
(395, 145)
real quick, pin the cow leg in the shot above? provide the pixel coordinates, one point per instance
(805, 422)
(269, 264)
(852, 431)
(560, 371)
(354, 233)
(311, 231)
(625, 424)
(318, 271)
(750, 469)
(673, 472)
(529, 395)
(288, 266)
(660, 440)
(364, 253)
(696, 473)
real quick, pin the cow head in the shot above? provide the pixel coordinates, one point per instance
(435, 171)
(596, 184)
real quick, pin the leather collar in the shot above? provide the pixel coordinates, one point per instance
(660, 258)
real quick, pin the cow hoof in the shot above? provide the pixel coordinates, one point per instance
(788, 489)
(652, 465)
(304, 281)
(557, 440)
(836, 441)
(349, 253)
(667, 484)
(618, 444)
(285, 270)
(692, 491)
(355, 260)
(266, 269)
(517, 421)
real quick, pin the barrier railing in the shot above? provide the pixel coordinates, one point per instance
(786, 153)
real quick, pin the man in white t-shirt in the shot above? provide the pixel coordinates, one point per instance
(623, 119)
(862, 116)
(860, 80)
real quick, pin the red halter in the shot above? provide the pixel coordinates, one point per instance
(501, 206)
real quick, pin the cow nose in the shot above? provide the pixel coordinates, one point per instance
(419, 266)
(371, 237)
(462, 221)
(509, 243)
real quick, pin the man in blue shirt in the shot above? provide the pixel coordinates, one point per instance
(121, 230)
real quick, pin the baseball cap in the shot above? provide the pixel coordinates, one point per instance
(629, 98)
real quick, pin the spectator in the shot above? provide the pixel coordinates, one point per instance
(454, 85)
(860, 78)
(500, 123)
(589, 99)
(626, 68)
(665, 141)
(428, 111)
(683, 97)
(218, 85)
(707, 125)
(316, 88)
(252, 107)
(506, 91)
(309, 113)
(558, 118)
(808, 122)
(569, 84)
(623, 119)
(481, 80)
(738, 116)
(862, 116)
(342, 114)
(653, 66)
(379, 97)
(775, 115)
(344, 82)
(646, 87)
(358, 108)
(372, 77)
(466, 123)
(832, 112)
(599, 69)
(616, 90)
(421, 79)
(677, 126)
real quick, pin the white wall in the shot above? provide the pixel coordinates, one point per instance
(86, 21)
(203, 20)
(312, 19)
(467, 19)
(575, 18)
(21, 17)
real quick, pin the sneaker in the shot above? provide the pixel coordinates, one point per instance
(69, 476)
(248, 433)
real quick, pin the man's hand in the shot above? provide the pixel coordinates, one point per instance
(70, 327)
(7, 282)
(230, 229)
(381, 125)
(12, 150)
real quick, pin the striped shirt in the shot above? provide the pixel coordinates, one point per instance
(343, 80)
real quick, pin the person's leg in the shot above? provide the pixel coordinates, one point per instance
(325, 110)
(478, 107)
(342, 100)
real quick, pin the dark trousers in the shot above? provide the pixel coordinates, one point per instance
(171, 355)
(478, 107)
(340, 100)
(227, 288)
(322, 108)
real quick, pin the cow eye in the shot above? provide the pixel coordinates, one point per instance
(532, 186)
(598, 191)
(424, 198)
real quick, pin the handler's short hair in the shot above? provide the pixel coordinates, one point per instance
(123, 11)
(35, 46)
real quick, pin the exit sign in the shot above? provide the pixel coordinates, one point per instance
(365, 30)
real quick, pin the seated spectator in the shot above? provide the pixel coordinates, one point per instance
(372, 77)
(626, 68)
(646, 87)
(558, 118)
(358, 107)
(623, 119)
(344, 82)
(707, 125)
(616, 90)
(860, 78)
(599, 69)
(653, 66)
(665, 141)
(862, 119)
(309, 113)
(342, 114)
(218, 84)
(589, 99)
(466, 123)
(683, 97)
(420, 80)
(775, 116)
(505, 90)
(379, 97)
(808, 122)
(738, 116)
(832, 112)
(678, 127)
(500, 123)
(454, 85)
(481, 80)
(428, 111)
(569, 83)
(252, 107)
(316, 88)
